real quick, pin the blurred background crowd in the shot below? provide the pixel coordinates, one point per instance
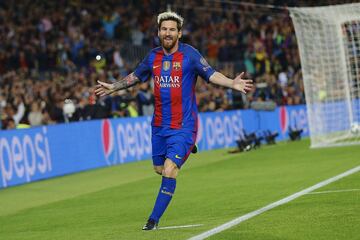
(52, 53)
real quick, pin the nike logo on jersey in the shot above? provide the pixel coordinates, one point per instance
(156, 66)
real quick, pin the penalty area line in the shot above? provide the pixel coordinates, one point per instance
(184, 226)
(249, 215)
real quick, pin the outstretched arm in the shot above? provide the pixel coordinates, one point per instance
(239, 83)
(103, 89)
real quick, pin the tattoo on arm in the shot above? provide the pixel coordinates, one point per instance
(128, 81)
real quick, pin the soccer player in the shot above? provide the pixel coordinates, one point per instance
(174, 67)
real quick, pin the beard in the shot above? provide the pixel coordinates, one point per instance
(168, 45)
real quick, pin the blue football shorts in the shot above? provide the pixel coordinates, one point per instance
(175, 144)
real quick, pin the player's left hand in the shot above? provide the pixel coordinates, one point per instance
(241, 84)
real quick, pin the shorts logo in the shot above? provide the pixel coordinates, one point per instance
(176, 66)
(166, 65)
(178, 157)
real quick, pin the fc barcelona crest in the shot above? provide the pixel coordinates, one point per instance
(176, 66)
(166, 65)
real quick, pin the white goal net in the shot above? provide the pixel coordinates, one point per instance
(329, 44)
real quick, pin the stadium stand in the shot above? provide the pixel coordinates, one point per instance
(51, 51)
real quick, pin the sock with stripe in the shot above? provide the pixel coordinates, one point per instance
(163, 199)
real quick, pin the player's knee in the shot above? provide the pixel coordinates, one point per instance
(159, 169)
(170, 171)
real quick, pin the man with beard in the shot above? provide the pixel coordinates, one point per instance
(174, 67)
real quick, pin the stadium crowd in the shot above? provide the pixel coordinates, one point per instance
(52, 53)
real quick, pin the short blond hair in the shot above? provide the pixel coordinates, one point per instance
(165, 16)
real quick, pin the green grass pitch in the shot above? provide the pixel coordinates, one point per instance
(212, 188)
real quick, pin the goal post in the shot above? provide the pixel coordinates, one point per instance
(329, 44)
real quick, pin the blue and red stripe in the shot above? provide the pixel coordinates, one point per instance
(176, 92)
(157, 66)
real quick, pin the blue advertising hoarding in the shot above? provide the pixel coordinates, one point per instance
(28, 155)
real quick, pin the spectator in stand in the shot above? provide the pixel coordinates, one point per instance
(56, 50)
(145, 100)
(35, 116)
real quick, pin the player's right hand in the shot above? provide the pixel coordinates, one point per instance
(103, 89)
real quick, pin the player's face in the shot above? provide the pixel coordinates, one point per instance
(169, 34)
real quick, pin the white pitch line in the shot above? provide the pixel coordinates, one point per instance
(336, 191)
(247, 216)
(184, 226)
